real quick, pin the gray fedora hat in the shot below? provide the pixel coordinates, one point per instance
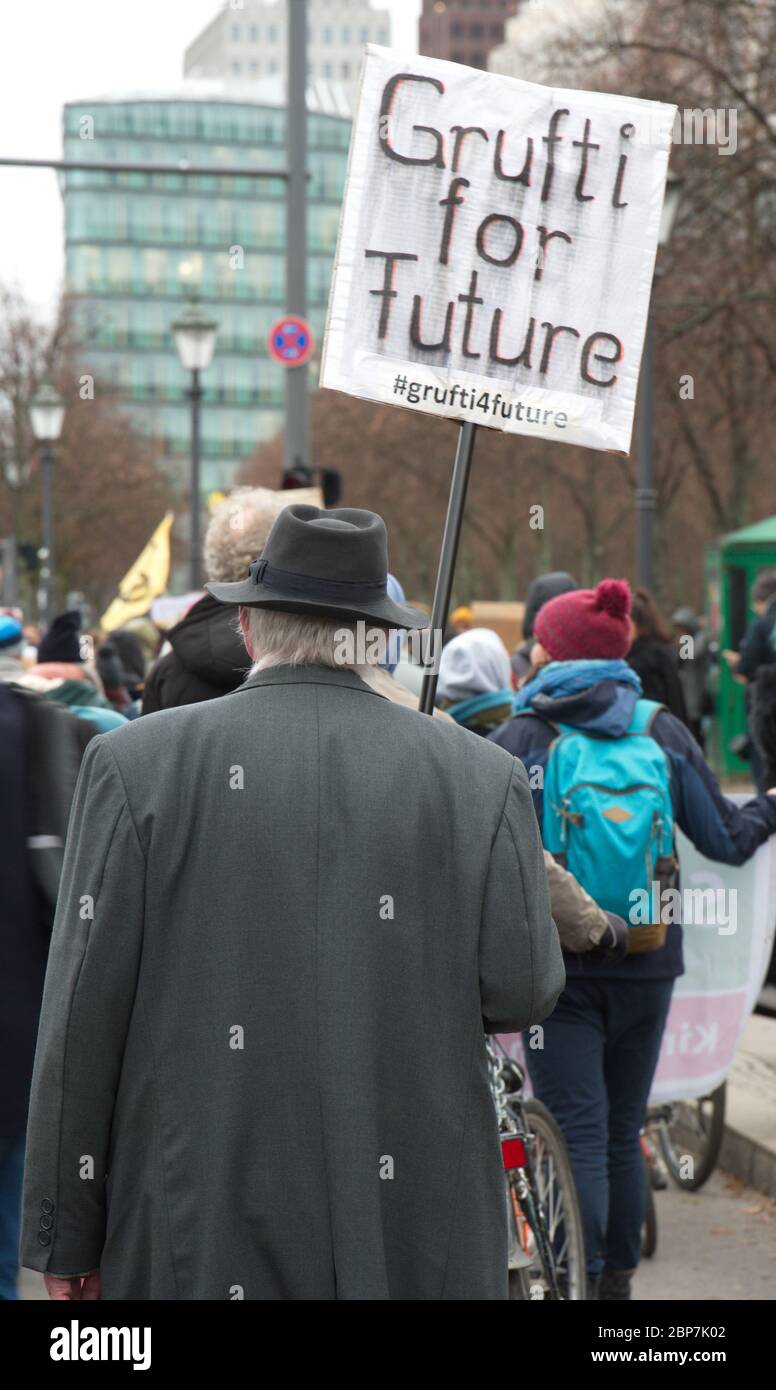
(333, 564)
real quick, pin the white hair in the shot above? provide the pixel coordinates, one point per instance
(299, 639)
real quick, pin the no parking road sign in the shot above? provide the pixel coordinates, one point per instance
(290, 341)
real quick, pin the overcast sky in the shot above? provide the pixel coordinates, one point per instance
(53, 51)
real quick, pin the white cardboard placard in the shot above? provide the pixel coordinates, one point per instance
(496, 249)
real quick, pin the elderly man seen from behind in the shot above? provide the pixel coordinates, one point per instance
(288, 918)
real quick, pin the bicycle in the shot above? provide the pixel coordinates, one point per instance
(546, 1243)
(655, 1180)
(690, 1136)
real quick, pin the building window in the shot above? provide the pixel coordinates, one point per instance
(254, 33)
(383, 39)
(346, 36)
(346, 69)
(154, 265)
(365, 36)
(236, 33)
(327, 72)
(254, 69)
(272, 65)
(326, 34)
(476, 31)
(236, 69)
(272, 33)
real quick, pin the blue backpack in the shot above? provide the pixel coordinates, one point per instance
(608, 815)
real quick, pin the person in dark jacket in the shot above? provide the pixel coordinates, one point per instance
(602, 1042)
(66, 674)
(41, 746)
(208, 655)
(132, 659)
(122, 668)
(540, 591)
(758, 652)
(762, 720)
(759, 645)
(695, 667)
(653, 658)
(115, 680)
(62, 639)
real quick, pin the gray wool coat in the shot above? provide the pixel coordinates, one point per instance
(287, 917)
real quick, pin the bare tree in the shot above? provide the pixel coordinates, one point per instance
(109, 490)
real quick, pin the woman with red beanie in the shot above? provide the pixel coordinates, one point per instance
(603, 765)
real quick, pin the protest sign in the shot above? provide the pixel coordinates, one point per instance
(496, 250)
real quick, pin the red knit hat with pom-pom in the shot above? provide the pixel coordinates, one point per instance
(587, 624)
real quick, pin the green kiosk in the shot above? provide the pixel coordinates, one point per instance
(731, 569)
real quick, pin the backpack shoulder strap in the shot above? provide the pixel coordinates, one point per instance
(644, 716)
(556, 728)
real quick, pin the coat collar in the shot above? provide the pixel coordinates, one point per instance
(307, 675)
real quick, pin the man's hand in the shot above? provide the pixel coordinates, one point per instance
(83, 1287)
(614, 945)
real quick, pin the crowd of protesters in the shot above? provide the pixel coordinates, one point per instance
(285, 920)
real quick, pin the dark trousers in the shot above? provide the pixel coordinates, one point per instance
(757, 765)
(11, 1173)
(594, 1074)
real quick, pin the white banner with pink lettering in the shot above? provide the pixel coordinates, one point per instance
(726, 959)
(496, 249)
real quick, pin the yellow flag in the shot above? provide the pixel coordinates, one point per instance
(143, 581)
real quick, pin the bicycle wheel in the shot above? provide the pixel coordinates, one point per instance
(691, 1139)
(649, 1229)
(553, 1215)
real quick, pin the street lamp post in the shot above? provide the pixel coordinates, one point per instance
(195, 339)
(47, 412)
(646, 494)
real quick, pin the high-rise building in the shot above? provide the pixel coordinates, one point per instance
(249, 41)
(541, 37)
(463, 31)
(136, 243)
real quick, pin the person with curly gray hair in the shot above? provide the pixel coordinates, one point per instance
(208, 656)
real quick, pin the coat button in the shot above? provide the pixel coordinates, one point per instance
(47, 1205)
(44, 1238)
(46, 1223)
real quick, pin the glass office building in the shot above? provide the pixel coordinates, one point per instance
(136, 242)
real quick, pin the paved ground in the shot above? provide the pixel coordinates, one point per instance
(751, 1092)
(716, 1244)
(719, 1243)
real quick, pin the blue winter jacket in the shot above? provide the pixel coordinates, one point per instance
(716, 826)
